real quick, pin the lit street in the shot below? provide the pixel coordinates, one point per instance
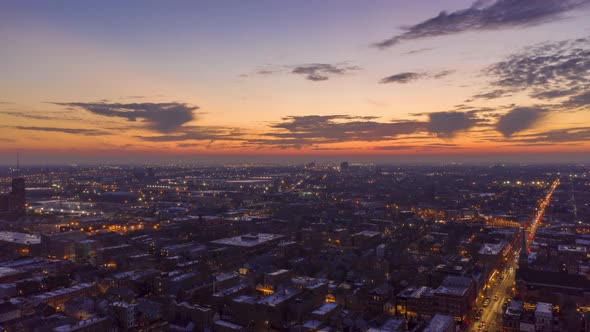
(492, 314)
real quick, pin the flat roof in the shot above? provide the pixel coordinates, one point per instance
(184, 276)
(308, 282)
(248, 240)
(7, 271)
(63, 291)
(451, 290)
(544, 307)
(325, 308)
(280, 297)
(422, 291)
(439, 323)
(80, 325)
(231, 290)
(19, 263)
(312, 324)
(491, 248)
(368, 233)
(569, 248)
(275, 273)
(229, 325)
(245, 299)
(20, 238)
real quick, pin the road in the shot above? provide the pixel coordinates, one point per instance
(500, 285)
(540, 211)
(503, 286)
(297, 184)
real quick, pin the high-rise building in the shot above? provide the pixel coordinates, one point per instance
(150, 172)
(12, 205)
(16, 204)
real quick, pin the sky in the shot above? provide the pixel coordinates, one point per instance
(125, 81)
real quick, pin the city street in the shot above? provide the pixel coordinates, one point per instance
(492, 314)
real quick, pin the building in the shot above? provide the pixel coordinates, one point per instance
(61, 245)
(455, 297)
(95, 324)
(511, 317)
(59, 297)
(252, 240)
(441, 323)
(20, 243)
(493, 253)
(223, 326)
(124, 315)
(8, 274)
(523, 316)
(12, 205)
(201, 316)
(9, 311)
(544, 317)
(274, 280)
(418, 302)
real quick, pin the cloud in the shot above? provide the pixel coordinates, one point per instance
(402, 78)
(519, 119)
(38, 116)
(310, 130)
(580, 100)
(198, 133)
(407, 77)
(490, 95)
(420, 147)
(28, 116)
(266, 70)
(448, 124)
(189, 145)
(442, 74)
(420, 50)
(74, 131)
(316, 130)
(486, 15)
(322, 71)
(548, 71)
(565, 135)
(395, 147)
(310, 71)
(162, 117)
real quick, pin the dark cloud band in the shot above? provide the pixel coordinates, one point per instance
(486, 15)
(162, 117)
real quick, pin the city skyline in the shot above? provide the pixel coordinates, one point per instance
(383, 81)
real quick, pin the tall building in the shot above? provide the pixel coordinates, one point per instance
(12, 205)
(18, 194)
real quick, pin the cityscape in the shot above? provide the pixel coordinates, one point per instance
(295, 166)
(346, 247)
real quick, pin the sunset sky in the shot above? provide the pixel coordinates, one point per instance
(118, 80)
